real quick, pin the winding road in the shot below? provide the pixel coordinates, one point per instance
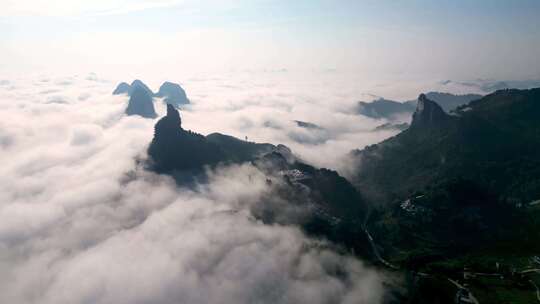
(470, 297)
(376, 252)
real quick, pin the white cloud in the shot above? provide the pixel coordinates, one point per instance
(80, 222)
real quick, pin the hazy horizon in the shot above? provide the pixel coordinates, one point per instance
(179, 38)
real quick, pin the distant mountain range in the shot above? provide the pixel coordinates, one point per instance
(141, 97)
(482, 134)
(490, 85)
(390, 109)
(381, 108)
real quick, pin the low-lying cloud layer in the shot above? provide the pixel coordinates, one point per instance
(81, 222)
(265, 107)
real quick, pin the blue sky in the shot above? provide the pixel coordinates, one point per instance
(492, 38)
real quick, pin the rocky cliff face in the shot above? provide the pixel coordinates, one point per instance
(428, 113)
(449, 102)
(389, 109)
(478, 143)
(174, 148)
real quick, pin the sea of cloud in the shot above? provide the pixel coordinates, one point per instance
(264, 105)
(81, 221)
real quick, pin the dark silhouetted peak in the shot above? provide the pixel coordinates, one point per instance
(174, 148)
(449, 101)
(428, 113)
(137, 83)
(173, 115)
(122, 88)
(170, 124)
(172, 93)
(140, 103)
